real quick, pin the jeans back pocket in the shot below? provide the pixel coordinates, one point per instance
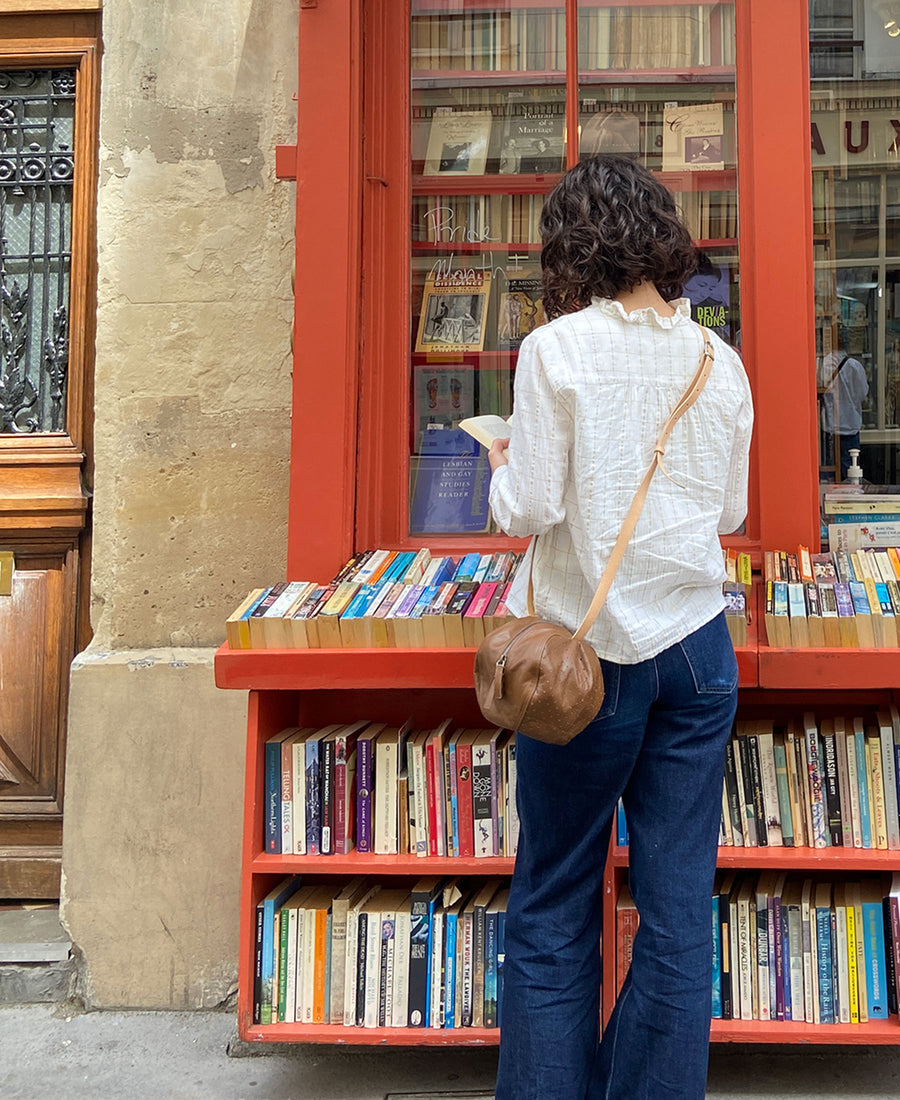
(709, 653)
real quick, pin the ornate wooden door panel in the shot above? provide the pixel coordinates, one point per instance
(49, 94)
(36, 646)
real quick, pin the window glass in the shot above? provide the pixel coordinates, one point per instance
(489, 138)
(37, 110)
(855, 135)
(488, 141)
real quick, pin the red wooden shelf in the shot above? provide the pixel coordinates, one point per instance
(831, 860)
(290, 669)
(765, 1031)
(485, 185)
(810, 669)
(370, 1036)
(357, 863)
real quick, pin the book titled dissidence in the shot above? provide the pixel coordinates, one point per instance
(454, 310)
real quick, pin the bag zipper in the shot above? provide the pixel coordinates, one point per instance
(501, 661)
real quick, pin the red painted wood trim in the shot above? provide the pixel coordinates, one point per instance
(775, 205)
(326, 312)
(286, 162)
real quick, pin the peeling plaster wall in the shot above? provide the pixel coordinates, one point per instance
(195, 241)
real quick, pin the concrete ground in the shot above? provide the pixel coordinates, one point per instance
(52, 1052)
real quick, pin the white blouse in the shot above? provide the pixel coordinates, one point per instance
(592, 391)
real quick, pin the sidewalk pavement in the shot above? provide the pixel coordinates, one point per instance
(53, 1052)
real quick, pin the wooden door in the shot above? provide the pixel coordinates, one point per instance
(49, 72)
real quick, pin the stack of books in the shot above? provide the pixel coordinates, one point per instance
(813, 782)
(839, 599)
(363, 954)
(391, 790)
(381, 598)
(854, 516)
(736, 590)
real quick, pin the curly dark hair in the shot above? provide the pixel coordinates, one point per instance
(606, 226)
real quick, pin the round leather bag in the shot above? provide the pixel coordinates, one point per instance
(534, 677)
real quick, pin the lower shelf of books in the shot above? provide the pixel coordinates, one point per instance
(364, 1036)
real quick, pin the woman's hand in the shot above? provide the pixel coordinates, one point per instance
(498, 455)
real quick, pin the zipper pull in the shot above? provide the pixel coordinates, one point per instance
(498, 676)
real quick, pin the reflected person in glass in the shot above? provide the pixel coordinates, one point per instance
(592, 389)
(843, 386)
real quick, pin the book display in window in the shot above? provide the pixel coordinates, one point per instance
(458, 143)
(453, 316)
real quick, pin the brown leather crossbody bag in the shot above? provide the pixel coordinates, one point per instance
(541, 679)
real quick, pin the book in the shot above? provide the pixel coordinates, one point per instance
(520, 310)
(533, 138)
(693, 138)
(237, 627)
(450, 484)
(273, 787)
(457, 143)
(443, 394)
(874, 949)
(268, 906)
(390, 745)
(486, 428)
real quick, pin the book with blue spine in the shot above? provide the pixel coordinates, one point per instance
(874, 944)
(824, 953)
(314, 790)
(273, 901)
(865, 810)
(491, 927)
(717, 960)
(272, 772)
(816, 793)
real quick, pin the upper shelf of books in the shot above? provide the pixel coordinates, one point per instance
(463, 40)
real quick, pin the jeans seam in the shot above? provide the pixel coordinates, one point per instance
(615, 1042)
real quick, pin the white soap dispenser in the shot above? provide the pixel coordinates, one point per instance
(854, 470)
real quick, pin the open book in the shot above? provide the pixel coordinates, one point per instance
(486, 428)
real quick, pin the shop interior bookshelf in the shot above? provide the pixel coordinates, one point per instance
(350, 448)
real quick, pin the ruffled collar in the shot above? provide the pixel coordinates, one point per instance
(646, 316)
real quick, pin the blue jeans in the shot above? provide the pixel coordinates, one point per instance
(659, 742)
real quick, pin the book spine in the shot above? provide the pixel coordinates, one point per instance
(762, 957)
(464, 798)
(762, 837)
(364, 779)
(273, 797)
(418, 960)
(257, 967)
(339, 835)
(490, 969)
(824, 964)
(451, 924)
(495, 808)
(816, 798)
(832, 791)
(778, 957)
(876, 971)
(313, 799)
(327, 795)
(481, 800)
(717, 960)
(361, 964)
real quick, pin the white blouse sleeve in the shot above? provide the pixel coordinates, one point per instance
(734, 509)
(526, 496)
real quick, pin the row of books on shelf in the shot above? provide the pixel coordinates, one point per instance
(393, 598)
(391, 790)
(510, 220)
(793, 948)
(364, 954)
(381, 598)
(609, 37)
(856, 516)
(817, 783)
(836, 599)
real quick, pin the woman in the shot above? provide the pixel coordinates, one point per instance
(592, 389)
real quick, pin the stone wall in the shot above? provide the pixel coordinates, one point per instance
(195, 241)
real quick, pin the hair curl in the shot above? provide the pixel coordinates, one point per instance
(607, 226)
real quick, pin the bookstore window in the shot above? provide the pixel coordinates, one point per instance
(855, 133)
(499, 109)
(37, 112)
